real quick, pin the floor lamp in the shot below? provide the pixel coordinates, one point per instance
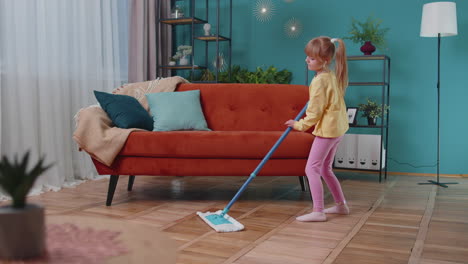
(439, 19)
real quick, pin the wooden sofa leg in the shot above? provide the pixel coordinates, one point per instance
(112, 184)
(131, 179)
(302, 181)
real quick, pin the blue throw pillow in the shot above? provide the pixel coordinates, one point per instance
(124, 111)
(177, 111)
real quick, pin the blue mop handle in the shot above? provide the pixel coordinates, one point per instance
(260, 166)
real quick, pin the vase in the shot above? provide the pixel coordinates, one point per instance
(372, 121)
(22, 232)
(184, 60)
(367, 48)
(207, 28)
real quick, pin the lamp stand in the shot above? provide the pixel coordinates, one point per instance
(443, 184)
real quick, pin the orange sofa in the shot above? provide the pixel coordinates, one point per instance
(246, 120)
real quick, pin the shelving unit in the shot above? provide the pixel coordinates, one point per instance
(384, 84)
(385, 100)
(216, 38)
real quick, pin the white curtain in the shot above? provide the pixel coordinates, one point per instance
(53, 54)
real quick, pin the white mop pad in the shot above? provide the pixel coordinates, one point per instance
(221, 223)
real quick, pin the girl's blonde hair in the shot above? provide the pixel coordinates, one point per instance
(323, 49)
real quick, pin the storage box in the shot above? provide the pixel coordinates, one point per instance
(359, 151)
(346, 153)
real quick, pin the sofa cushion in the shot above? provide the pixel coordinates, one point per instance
(216, 144)
(177, 111)
(124, 111)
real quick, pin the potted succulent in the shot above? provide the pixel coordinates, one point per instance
(182, 54)
(372, 111)
(22, 233)
(368, 34)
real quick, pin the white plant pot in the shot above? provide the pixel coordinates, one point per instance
(22, 232)
(184, 60)
(172, 63)
(177, 14)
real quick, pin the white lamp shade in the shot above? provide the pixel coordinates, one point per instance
(439, 17)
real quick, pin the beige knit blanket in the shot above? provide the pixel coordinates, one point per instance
(96, 134)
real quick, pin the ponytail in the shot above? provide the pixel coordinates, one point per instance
(323, 49)
(341, 66)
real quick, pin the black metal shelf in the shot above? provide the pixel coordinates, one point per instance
(194, 19)
(368, 126)
(213, 38)
(182, 21)
(183, 67)
(368, 57)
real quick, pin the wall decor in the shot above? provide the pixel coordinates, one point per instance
(222, 62)
(293, 28)
(264, 10)
(352, 113)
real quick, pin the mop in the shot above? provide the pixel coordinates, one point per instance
(220, 220)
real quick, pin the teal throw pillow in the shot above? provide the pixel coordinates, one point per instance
(177, 111)
(124, 111)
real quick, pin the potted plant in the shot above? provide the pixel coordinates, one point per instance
(368, 34)
(372, 111)
(22, 233)
(172, 61)
(177, 12)
(183, 51)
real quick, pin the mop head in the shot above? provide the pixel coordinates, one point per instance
(220, 223)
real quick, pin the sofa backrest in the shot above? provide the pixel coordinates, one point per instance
(249, 107)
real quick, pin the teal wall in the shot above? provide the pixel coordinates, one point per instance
(413, 127)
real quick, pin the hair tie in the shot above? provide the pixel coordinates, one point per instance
(333, 40)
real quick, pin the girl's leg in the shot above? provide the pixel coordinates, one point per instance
(318, 152)
(332, 182)
(329, 177)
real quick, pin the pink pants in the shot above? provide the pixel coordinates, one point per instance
(319, 164)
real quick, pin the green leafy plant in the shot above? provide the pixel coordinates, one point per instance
(260, 75)
(237, 74)
(178, 9)
(16, 180)
(369, 30)
(207, 75)
(242, 75)
(182, 50)
(372, 109)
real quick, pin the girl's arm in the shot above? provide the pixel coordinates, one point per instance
(317, 105)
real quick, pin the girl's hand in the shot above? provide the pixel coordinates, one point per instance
(290, 123)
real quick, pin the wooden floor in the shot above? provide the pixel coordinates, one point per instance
(397, 221)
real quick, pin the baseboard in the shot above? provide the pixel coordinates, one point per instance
(406, 173)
